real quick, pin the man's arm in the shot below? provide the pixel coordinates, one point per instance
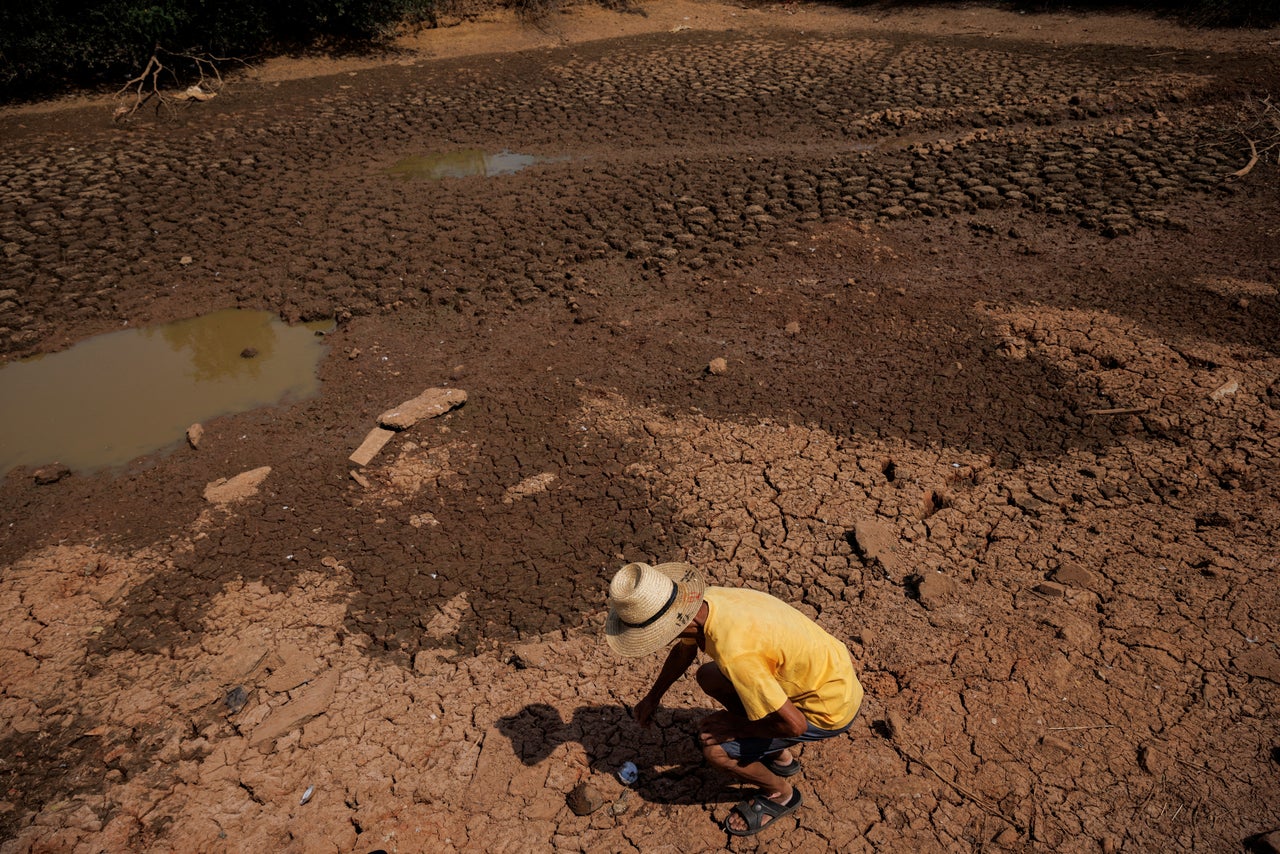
(678, 661)
(786, 722)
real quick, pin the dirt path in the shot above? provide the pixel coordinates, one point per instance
(999, 405)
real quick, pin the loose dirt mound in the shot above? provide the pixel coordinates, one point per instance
(964, 343)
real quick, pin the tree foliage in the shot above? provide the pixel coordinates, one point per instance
(49, 44)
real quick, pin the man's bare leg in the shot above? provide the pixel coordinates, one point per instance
(772, 786)
(717, 686)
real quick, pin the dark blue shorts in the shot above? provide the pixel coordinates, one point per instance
(748, 750)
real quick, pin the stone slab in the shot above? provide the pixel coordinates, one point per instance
(372, 444)
(429, 404)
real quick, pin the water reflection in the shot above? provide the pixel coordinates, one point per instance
(464, 163)
(115, 397)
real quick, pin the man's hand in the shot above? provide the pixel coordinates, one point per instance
(644, 710)
(719, 727)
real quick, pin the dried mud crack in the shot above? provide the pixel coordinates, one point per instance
(967, 345)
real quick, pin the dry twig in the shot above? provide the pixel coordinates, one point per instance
(149, 84)
(1261, 130)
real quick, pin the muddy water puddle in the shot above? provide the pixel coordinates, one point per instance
(118, 396)
(465, 164)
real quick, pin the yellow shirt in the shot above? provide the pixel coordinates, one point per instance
(772, 653)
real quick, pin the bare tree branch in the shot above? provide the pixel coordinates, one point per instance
(147, 86)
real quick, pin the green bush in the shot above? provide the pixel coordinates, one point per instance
(46, 45)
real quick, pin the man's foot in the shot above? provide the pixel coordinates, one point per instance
(788, 768)
(752, 816)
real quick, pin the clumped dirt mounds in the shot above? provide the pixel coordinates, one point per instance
(965, 344)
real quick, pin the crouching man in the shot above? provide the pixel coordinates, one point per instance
(781, 678)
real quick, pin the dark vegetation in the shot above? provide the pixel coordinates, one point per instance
(48, 46)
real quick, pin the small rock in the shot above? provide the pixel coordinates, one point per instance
(874, 541)
(1225, 390)
(895, 725)
(718, 366)
(1050, 589)
(194, 434)
(185, 260)
(792, 328)
(936, 589)
(235, 699)
(1152, 760)
(621, 805)
(360, 479)
(1110, 845)
(529, 486)
(238, 488)
(249, 353)
(1075, 576)
(1265, 843)
(353, 353)
(585, 799)
(46, 475)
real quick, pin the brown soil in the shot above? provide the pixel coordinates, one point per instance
(937, 251)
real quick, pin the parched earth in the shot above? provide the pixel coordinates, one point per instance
(950, 326)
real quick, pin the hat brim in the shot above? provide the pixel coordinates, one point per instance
(633, 642)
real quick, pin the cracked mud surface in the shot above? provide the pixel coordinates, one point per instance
(999, 405)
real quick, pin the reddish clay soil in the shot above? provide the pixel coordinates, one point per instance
(999, 405)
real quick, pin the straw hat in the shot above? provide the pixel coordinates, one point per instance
(650, 605)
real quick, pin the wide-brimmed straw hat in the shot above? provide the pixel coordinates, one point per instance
(650, 605)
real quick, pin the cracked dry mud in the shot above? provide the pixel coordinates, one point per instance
(998, 404)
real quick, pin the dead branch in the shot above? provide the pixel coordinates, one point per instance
(1253, 161)
(1260, 128)
(148, 85)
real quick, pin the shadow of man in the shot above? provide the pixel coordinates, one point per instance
(667, 755)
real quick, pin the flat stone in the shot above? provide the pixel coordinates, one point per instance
(1075, 576)
(238, 488)
(372, 444)
(1051, 589)
(429, 404)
